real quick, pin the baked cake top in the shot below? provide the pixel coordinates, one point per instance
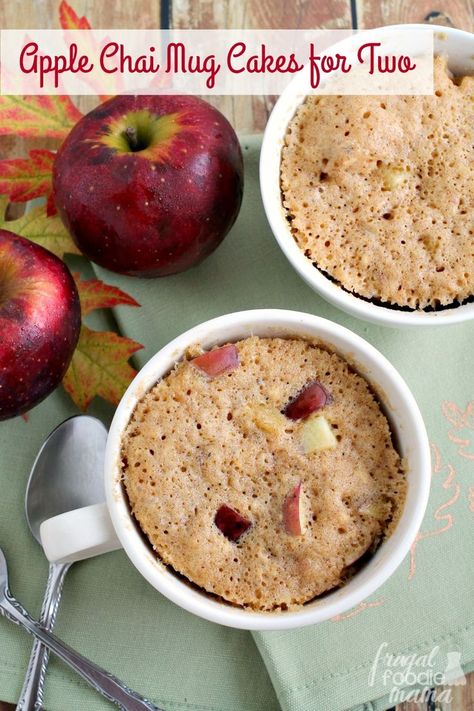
(380, 191)
(261, 502)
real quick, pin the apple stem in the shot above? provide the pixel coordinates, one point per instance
(132, 137)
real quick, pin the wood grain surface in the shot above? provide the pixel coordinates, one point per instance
(457, 13)
(247, 114)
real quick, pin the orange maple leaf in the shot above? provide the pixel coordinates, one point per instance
(24, 179)
(69, 20)
(37, 226)
(95, 294)
(100, 366)
(37, 116)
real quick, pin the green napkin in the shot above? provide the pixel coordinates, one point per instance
(111, 614)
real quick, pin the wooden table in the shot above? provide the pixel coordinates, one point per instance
(247, 114)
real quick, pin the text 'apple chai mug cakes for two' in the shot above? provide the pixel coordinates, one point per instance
(378, 192)
(263, 471)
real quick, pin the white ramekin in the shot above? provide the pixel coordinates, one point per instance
(89, 531)
(459, 48)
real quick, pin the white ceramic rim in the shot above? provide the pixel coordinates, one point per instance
(407, 424)
(459, 46)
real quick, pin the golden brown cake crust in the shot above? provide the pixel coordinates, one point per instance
(380, 191)
(194, 444)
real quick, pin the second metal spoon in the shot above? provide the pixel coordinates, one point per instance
(102, 681)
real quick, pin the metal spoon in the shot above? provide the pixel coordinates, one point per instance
(66, 475)
(103, 682)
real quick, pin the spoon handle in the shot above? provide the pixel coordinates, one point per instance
(31, 697)
(101, 680)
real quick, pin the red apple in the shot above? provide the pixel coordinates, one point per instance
(313, 397)
(231, 523)
(149, 185)
(218, 361)
(292, 512)
(40, 320)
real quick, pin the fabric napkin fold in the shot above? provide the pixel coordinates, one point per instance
(109, 612)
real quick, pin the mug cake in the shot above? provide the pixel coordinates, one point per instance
(378, 192)
(263, 471)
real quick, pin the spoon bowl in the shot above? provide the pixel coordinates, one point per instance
(67, 472)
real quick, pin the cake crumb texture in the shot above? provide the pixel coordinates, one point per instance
(379, 191)
(196, 443)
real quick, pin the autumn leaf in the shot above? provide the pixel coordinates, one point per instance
(24, 179)
(35, 225)
(100, 366)
(37, 116)
(69, 19)
(95, 294)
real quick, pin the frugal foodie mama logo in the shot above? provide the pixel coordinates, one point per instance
(412, 677)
